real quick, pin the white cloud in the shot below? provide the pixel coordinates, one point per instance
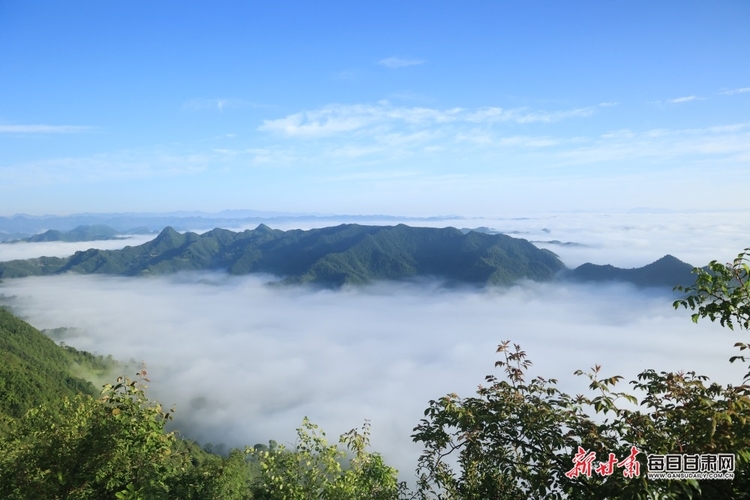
(347, 74)
(619, 134)
(122, 165)
(523, 115)
(686, 99)
(43, 129)
(324, 122)
(397, 62)
(687, 145)
(13, 251)
(339, 119)
(217, 104)
(736, 91)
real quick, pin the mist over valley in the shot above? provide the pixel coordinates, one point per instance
(244, 362)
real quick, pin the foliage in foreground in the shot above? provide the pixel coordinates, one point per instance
(33, 369)
(116, 447)
(314, 469)
(516, 439)
(107, 448)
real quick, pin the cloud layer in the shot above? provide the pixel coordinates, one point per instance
(42, 129)
(244, 362)
(398, 62)
(14, 251)
(337, 119)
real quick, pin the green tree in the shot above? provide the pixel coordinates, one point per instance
(722, 291)
(211, 476)
(314, 469)
(112, 447)
(516, 439)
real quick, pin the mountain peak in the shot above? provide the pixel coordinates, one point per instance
(667, 271)
(168, 238)
(167, 232)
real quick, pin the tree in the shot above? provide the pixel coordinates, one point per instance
(112, 447)
(314, 469)
(517, 439)
(722, 291)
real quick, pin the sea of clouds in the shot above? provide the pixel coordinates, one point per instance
(244, 362)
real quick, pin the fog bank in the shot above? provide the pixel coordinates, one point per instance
(244, 362)
(23, 250)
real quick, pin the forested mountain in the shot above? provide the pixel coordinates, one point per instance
(347, 254)
(57, 441)
(33, 369)
(332, 256)
(667, 271)
(80, 233)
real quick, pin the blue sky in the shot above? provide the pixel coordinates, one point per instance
(402, 108)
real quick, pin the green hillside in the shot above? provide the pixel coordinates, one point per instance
(33, 369)
(80, 233)
(349, 254)
(667, 271)
(331, 256)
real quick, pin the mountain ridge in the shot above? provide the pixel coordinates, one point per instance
(333, 256)
(665, 271)
(349, 254)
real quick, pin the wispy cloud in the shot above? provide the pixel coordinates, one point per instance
(347, 74)
(685, 99)
(523, 115)
(114, 167)
(492, 145)
(43, 129)
(217, 104)
(397, 62)
(340, 119)
(736, 91)
(663, 147)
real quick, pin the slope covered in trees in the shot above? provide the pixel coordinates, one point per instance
(33, 369)
(349, 254)
(57, 441)
(80, 233)
(667, 271)
(330, 256)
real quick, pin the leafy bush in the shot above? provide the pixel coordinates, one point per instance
(314, 470)
(517, 439)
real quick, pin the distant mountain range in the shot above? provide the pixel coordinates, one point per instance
(348, 254)
(22, 226)
(97, 232)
